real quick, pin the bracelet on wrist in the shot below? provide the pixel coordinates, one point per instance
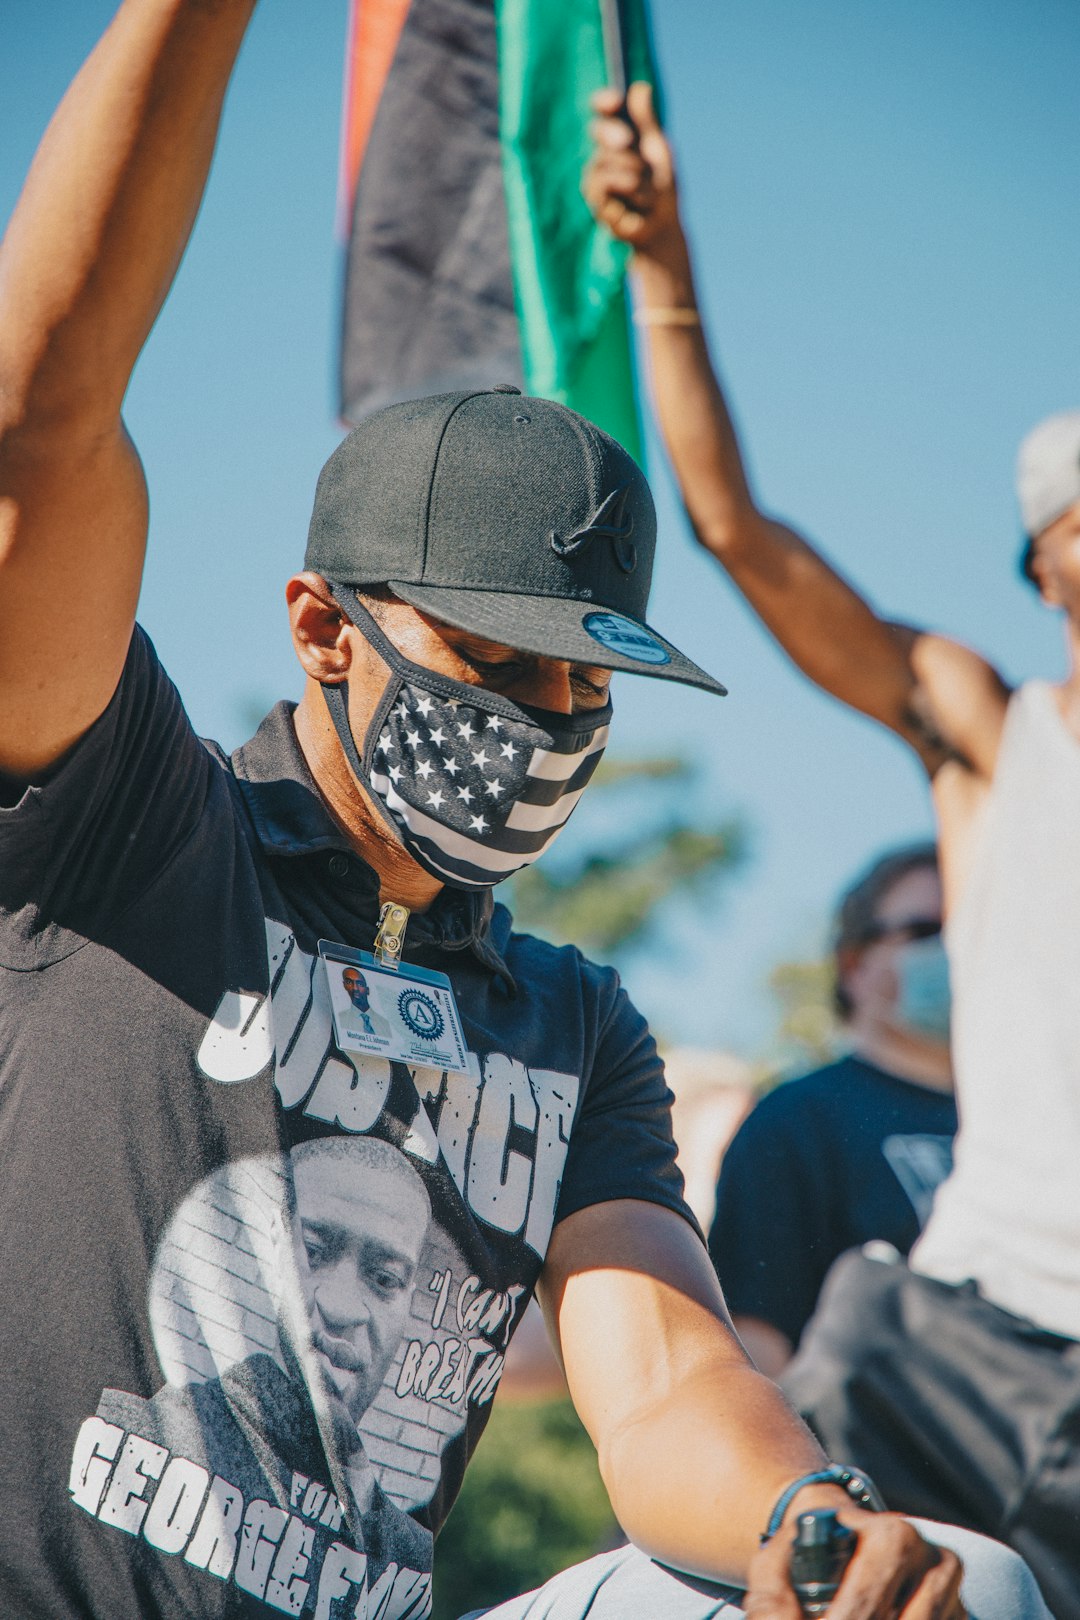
(667, 315)
(862, 1490)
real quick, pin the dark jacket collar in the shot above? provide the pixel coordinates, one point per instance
(291, 819)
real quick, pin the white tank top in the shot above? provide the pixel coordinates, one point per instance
(1009, 1214)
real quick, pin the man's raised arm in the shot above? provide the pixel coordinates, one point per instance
(85, 265)
(939, 696)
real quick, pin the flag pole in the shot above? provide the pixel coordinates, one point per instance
(614, 46)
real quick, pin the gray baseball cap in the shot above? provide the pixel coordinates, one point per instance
(505, 515)
(1048, 471)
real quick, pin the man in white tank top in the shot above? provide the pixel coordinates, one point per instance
(1001, 1253)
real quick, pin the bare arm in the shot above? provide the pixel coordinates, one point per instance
(943, 699)
(664, 1389)
(85, 266)
(694, 1444)
(768, 1348)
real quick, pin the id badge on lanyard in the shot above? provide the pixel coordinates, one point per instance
(393, 1010)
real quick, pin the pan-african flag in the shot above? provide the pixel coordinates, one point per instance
(472, 258)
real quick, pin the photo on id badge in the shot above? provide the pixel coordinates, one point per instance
(406, 1014)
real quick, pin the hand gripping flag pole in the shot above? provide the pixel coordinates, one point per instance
(611, 19)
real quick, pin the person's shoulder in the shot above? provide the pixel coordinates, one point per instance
(1034, 703)
(796, 1115)
(145, 679)
(824, 1088)
(531, 958)
(150, 713)
(217, 754)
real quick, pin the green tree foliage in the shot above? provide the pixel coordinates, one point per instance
(532, 1503)
(808, 1029)
(607, 899)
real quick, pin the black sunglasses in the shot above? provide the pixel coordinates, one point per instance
(909, 928)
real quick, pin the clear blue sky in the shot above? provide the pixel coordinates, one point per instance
(884, 206)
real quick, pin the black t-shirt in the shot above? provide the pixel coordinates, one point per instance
(823, 1164)
(255, 1293)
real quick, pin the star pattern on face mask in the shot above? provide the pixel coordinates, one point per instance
(476, 787)
(435, 745)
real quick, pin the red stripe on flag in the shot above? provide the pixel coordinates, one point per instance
(374, 29)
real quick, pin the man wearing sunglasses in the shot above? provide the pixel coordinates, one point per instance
(965, 1398)
(852, 1153)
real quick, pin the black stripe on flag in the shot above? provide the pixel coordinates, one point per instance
(508, 841)
(429, 299)
(539, 791)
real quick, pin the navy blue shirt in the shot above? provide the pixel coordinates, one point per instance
(823, 1164)
(203, 1198)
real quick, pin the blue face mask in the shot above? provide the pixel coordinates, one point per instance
(923, 1001)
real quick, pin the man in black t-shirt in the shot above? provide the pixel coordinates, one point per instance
(477, 564)
(853, 1152)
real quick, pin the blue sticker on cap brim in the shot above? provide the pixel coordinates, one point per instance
(626, 637)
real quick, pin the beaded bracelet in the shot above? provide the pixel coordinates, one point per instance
(859, 1487)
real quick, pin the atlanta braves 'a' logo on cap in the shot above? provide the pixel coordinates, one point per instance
(611, 521)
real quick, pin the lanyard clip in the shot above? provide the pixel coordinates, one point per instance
(390, 935)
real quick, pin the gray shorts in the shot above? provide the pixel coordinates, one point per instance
(958, 1411)
(625, 1585)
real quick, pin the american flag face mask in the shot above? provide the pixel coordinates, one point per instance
(474, 785)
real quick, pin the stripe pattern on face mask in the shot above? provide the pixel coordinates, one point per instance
(477, 794)
(475, 785)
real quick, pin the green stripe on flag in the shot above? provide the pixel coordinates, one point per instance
(569, 273)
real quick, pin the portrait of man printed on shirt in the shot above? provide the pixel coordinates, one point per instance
(349, 1218)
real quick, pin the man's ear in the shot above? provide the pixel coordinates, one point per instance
(1043, 579)
(321, 634)
(848, 958)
